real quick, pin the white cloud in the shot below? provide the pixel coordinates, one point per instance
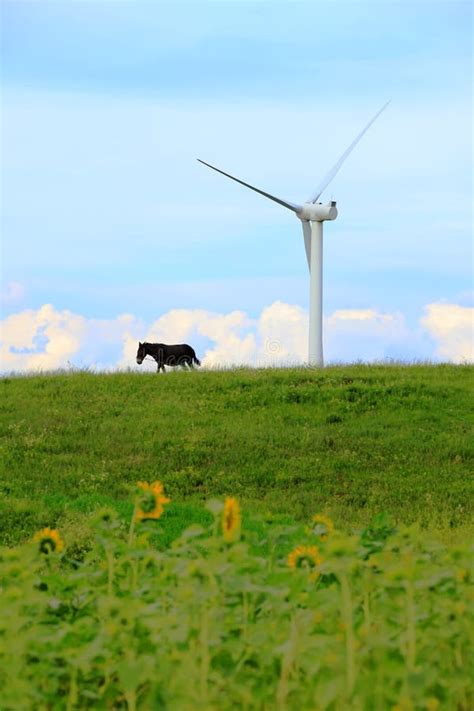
(366, 334)
(47, 338)
(283, 333)
(12, 293)
(347, 315)
(41, 340)
(452, 327)
(276, 337)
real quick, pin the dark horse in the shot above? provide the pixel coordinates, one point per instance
(167, 355)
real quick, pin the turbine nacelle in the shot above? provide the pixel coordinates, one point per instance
(317, 212)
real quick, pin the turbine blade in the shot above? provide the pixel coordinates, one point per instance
(335, 169)
(307, 240)
(289, 205)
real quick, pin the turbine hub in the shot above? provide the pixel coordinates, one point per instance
(317, 212)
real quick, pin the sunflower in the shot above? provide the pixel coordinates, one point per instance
(49, 541)
(150, 500)
(305, 557)
(231, 520)
(322, 526)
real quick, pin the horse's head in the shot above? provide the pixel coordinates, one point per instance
(141, 353)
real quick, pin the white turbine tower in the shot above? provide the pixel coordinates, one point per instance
(312, 215)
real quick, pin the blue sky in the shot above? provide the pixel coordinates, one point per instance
(106, 106)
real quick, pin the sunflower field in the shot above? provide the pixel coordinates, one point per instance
(225, 617)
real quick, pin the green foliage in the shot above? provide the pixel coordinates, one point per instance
(172, 617)
(351, 441)
(384, 621)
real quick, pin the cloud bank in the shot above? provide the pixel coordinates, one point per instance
(48, 339)
(452, 327)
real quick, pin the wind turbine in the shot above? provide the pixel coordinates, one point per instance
(312, 215)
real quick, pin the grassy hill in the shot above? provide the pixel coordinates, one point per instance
(350, 441)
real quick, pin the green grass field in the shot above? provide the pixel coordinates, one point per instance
(198, 609)
(349, 441)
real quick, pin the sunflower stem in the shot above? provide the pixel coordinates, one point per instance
(349, 633)
(246, 616)
(131, 697)
(134, 580)
(110, 570)
(72, 696)
(204, 644)
(411, 626)
(287, 664)
(131, 530)
(367, 615)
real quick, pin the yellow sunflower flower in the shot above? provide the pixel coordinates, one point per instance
(305, 557)
(231, 520)
(150, 500)
(322, 526)
(49, 541)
